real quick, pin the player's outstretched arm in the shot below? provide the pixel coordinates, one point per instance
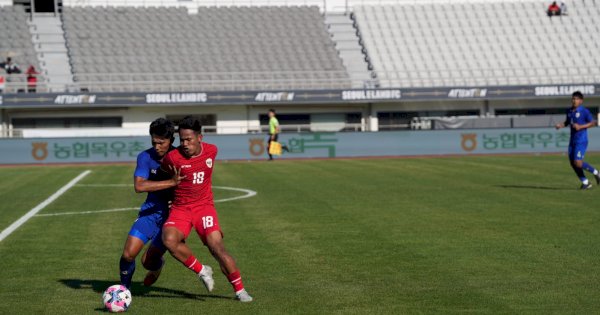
(561, 125)
(591, 124)
(144, 185)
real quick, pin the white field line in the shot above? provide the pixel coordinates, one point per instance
(41, 206)
(249, 193)
(85, 212)
(105, 185)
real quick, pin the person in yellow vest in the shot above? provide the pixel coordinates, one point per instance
(274, 133)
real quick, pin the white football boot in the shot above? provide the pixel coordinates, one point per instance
(243, 296)
(206, 275)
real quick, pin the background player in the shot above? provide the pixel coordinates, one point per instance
(580, 119)
(193, 205)
(148, 178)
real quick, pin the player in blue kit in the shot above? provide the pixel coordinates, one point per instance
(580, 119)
(154, 211)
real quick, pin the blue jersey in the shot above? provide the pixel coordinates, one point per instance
(148, 167)
(581, 116)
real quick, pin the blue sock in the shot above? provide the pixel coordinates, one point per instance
(127, 270)
(580, 174)
(589, 168)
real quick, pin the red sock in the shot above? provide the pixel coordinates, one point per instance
(236, 280)
(193, 264)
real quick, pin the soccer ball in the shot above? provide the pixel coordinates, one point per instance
(116, 298)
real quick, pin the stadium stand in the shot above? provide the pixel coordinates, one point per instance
(344, 33)
(219, 48)
(15, 40)
(481, 44)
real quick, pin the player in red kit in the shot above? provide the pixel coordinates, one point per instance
(193, 206)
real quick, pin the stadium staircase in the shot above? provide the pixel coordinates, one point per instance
(345, 35)
(49, 42)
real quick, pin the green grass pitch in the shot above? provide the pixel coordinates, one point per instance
(496, 234)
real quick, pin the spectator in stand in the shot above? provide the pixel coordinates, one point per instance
(553, 9)
(31, 79)
(563, 8)
(10, 67)
(2, 80)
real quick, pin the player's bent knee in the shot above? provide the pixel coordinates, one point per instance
(128, 255)
(171, 238)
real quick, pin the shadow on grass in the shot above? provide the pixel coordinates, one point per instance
(137, 289)
(533, 187)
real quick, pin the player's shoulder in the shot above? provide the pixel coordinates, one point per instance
(209, 147)
(174, 154)
(146, 154)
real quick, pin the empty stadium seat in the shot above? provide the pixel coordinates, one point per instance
(149, 42)
(481, 43)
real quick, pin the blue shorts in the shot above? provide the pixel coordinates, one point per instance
(577, 151)
(149, 227)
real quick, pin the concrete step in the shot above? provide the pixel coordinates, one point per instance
(343, 45)
(349, 36)
(46, 21)
(337, 19)
(344, 34)
(334, 28)
(46, 54)
(50, 45)
(45, 38)
(355, 63)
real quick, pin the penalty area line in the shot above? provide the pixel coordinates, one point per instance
(13, 227)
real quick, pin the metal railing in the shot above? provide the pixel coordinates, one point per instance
(300, 80)
(295, 128)
(214, 81)
(11, 133)
(206, 130)
(322, 4)
(352, 3)
(448, 77)
(17, 83)
(183, 81)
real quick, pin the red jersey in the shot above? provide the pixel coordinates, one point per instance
(196, 188)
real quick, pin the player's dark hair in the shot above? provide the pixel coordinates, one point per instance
(164, 128)
(577, 94)
(189, 122)
(272, 111)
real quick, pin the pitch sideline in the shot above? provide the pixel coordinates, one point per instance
(13, 227)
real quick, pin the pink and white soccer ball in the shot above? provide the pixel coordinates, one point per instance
(116, 298)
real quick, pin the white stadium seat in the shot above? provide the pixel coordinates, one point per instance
(465, 38)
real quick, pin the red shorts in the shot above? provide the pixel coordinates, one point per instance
(202, 218)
